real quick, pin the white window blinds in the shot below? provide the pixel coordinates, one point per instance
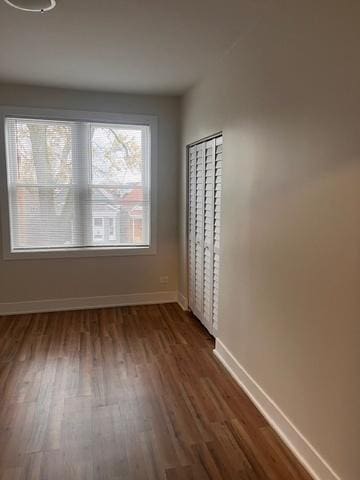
(77, 185)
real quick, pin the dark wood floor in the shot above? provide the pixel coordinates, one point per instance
(126, 393)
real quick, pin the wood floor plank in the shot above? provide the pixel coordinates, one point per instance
(130, 393)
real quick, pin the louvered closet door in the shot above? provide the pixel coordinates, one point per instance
(217, 226)
(207, 317)
(205, 162)
(196, 228)
(191, 225)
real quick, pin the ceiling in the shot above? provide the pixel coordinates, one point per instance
(143, 46)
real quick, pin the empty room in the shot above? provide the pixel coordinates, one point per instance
(179, 240)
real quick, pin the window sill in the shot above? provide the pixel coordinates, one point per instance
(80, 252)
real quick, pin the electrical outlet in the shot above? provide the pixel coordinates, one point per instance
(164, 280)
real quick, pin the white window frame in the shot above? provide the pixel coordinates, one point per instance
(72, 115)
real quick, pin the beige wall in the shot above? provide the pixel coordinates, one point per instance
(28, 280)
(287, 98)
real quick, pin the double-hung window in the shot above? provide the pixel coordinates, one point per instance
(76, 186)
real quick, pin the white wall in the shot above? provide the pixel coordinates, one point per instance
(29, 280)
(287, 98)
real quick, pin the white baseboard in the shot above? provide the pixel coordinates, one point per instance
(182, 301)
(318, 468)
(80, 303)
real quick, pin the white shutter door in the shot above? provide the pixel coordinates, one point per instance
(205, 165)
(191, 224)
(208, 233)
(199, 231)
(217, 225)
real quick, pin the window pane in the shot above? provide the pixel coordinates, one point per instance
(43, 217)
(116, 155)
(43, 152)
(124, 213)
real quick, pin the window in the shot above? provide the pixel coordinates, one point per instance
(112, 234)
(75, 186)
(98, 229)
